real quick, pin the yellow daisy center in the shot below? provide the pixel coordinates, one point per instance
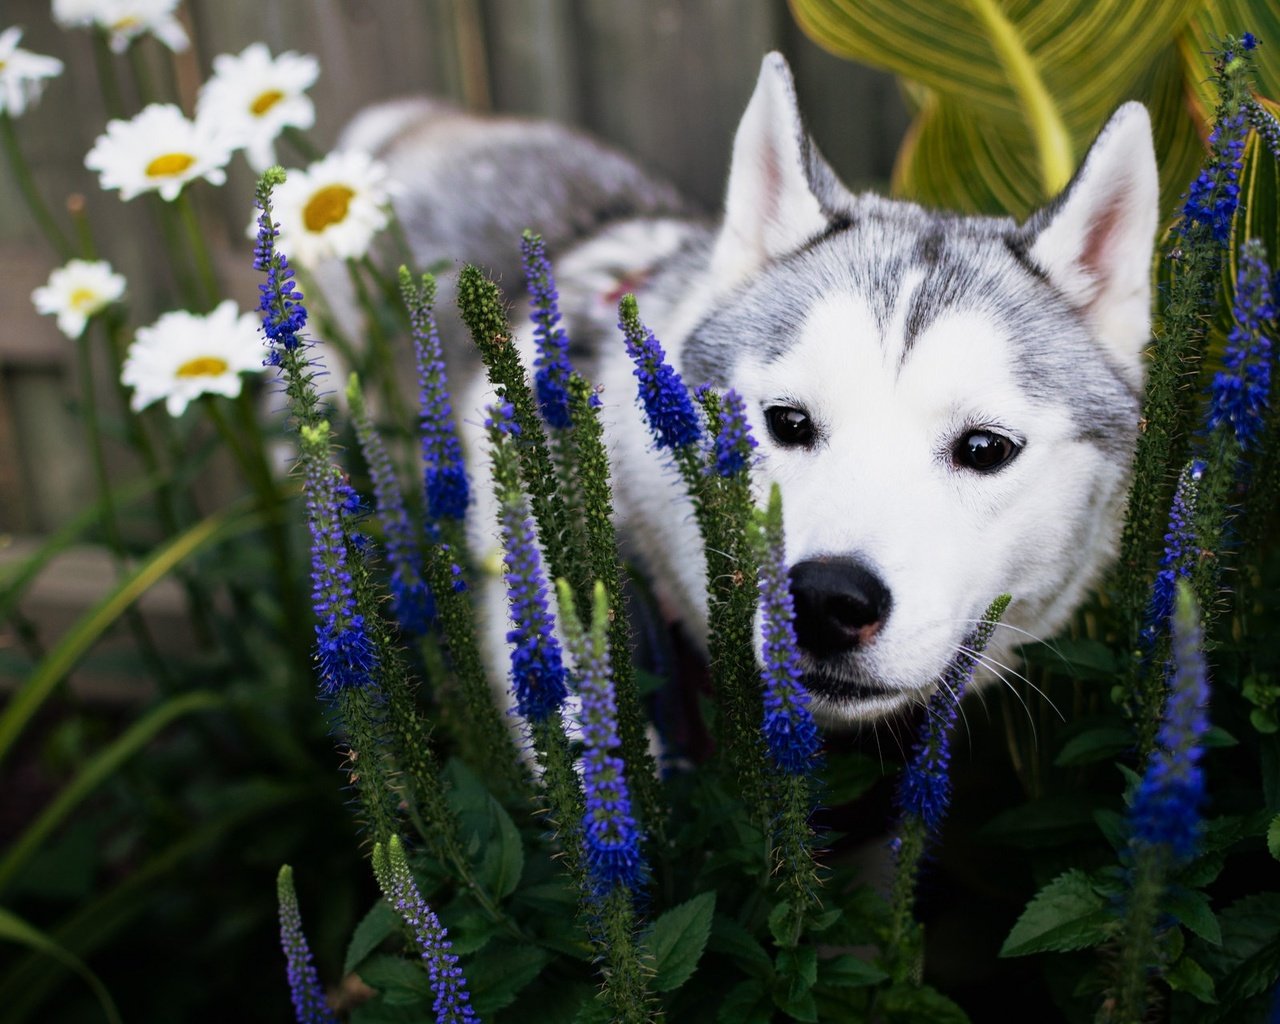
(169, 164)
(328, 206)
(265, 102)
(126, 23)
(203, 366)
(82, 298)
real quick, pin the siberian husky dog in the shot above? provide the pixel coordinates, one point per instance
(948, 403)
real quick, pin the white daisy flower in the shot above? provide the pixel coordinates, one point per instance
(78, 291)
(253, 97)
(22, 73)
(183, 356)
(125, 20)
(158, 149)
(333, 208)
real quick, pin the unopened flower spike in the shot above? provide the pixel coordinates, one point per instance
(1166, 808)
(611, 835)
(452, 1000)
(790, 733)
(345, 652)
(309, 1003)
(673, 420)
(552, 369)
(1264, 123)
(1238, 396)
(411, 598)
(444, 474)
(538, 676)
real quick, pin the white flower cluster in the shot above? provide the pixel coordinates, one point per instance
(332, 209)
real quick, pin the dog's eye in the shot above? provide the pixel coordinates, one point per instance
(789, 426)
(984, 450)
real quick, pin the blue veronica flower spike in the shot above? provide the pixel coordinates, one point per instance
(552, 369)
(344, 650)
(538, 675)
(1239, 393)
(309, 1003)
(1178, 557)
(453, 1002)
(667, 404)
(611, 835)
(444, 474)
(790, 733)
(734, 443)
(1214, 195)
(1166, 807)
(279, 301)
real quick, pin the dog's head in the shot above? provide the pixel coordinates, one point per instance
(947, 403)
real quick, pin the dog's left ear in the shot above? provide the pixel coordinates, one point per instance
(1095, 240)
(780, 190)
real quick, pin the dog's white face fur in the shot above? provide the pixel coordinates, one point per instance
(947, 404)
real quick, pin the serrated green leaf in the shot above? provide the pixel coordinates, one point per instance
(496, 975)
(1273, 837)
(797, 968)
(1066, 914)
(803, 1009)
(677, 939)
(379, 924)
(470, 932)
(1191, 909)
(731, 939)
(748, 1002)
(778, 918)
(1247, 962)
(399, 982)
(503, 861)
(1189, 977)
(848, 971)
(912, 1004)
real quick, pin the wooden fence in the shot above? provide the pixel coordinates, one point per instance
(664, 79)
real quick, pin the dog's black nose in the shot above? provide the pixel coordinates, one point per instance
(840, 605)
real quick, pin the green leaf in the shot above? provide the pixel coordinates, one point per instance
(496, 976)
(1248, 961)
(1066, 914)
(399, 982)
(76, 641)
(778, 918)
(98, 769)
(677, 939)
(1273, 837)
(374, 928)
(797, 968)
(846, 776)
(1095, 745)
(731, 939)
(748, 1002)
(1189, 977)
(1191, 909)
(503, 861)
(848, 971)
(913, 1004)
(14, 929)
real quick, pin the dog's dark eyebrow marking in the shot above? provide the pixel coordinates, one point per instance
(1020, 251)
(929, 248)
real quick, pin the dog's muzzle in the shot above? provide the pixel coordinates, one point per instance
(840, 605)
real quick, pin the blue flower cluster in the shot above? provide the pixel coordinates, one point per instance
(345, 652)
(1166, 807)
(309, 1003)
(552, 369)
(734, 443)
(1214, 195)
(283, 314)
(790, 733)
(1239, 393)
(453, 1002)
(611, 836)
(411, 599)
(538, 676)
(672, 418)
(444, 474)
(1178, 557)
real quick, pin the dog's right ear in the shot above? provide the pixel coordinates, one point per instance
(780, 188)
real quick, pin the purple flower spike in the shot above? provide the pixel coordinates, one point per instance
(734, 443)
(1239, 393)
(1166, 807)
(552, 369)
(1179, 555)
(672, 418)
(1214, 195)
(309, 1003)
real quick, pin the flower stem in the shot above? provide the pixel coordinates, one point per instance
(26, 184)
